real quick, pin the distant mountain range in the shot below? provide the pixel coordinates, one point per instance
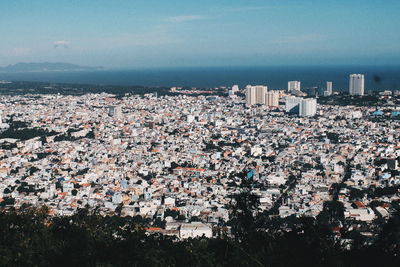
(45, 67)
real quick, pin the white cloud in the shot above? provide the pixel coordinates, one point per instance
(61, 43)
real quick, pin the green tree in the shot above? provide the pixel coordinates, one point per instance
(244, 211)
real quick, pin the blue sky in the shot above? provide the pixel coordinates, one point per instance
(174, 33)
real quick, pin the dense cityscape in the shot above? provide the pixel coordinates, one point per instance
(200, 133)
(178, 160)
(225, 164)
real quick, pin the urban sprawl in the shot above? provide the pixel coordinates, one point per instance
(179, 159)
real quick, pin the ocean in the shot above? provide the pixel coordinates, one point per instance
(376, 77)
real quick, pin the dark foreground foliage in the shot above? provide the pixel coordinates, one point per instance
(30, 237)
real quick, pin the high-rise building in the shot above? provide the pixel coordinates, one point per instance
(356, 86)
(250, 96)
(115, 111)
(232, 92)
(235, 88)
(272, 99)
(308, 107)
(312, 91)
(302, 107)
(261, 90)
(292, 104)
(329, 89)
(255, 94)
(294, 86)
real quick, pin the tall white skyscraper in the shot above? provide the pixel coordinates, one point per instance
(255, 94)
(294, 86)
(356, 86)
(302, 107)
(250, 96)
(292, 104)
(308, 107)
(272, 99)
(329, 88)
(261, 90)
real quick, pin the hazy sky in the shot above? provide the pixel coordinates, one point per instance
(152, 33)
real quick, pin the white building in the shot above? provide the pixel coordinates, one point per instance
(303, 107)
(356, 86)
(232, 92)
(235, 88)
(294, 86)
(255, 94)
(190, 118)
(115, 111)
(329, 89)
(365, 215)
(194, 229)
(292, 104)
(308, 107)
(3, 125)
(272, 99)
